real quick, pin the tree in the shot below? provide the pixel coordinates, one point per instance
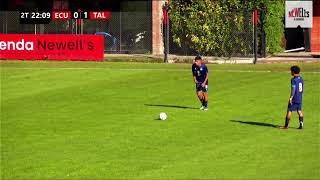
(223, 27)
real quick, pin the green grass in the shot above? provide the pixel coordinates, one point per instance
(88, 120)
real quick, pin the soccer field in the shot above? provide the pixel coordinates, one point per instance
(92, 120)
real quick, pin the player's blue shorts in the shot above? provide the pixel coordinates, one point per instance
(200, 88)
(294, 107)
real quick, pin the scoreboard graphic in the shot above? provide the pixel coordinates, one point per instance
(45, 17)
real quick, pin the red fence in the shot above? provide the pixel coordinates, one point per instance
(51, 47)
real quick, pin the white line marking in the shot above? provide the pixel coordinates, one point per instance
(160, 69)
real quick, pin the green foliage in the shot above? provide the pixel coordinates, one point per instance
(223, 27)
(274, 26)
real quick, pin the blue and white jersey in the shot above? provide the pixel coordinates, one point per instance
(297, 86)
(200, 72)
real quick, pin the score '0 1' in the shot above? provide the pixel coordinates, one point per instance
(80, 15)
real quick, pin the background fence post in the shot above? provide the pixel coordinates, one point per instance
(263, 33)
(120, 29)
(166, 9)
(255, 44)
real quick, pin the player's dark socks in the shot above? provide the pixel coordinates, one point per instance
(301, 119)
(301, 122)
(205, 103)
(202, 101)
(287, 122)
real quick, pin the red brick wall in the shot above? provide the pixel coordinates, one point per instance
(157, 37)
(315, 32)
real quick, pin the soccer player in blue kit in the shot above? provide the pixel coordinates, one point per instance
(200, 77)
(295, 100)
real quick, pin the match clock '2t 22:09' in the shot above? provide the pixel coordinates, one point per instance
(45, 17)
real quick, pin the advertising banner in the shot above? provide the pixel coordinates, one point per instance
(51, 47)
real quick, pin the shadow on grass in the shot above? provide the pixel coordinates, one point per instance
(256, 123)
(170, 106)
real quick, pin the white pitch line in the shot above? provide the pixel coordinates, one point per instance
(161, 69)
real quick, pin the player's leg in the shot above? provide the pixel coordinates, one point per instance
(287, 119)
(205, 97)
(291, 107)
(200, 96)
(300, 114)
(205, 101)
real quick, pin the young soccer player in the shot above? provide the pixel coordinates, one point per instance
(200, 77)
(295, 100)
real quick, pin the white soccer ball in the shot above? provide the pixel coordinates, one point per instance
(163, 116)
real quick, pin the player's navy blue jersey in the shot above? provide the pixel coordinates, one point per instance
(297, 86)
(200, 72)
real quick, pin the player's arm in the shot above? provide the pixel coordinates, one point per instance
(206, 79)
(293, 90)
(194, 73)
(195, 79)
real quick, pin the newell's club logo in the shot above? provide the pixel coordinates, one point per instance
(299, 13)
